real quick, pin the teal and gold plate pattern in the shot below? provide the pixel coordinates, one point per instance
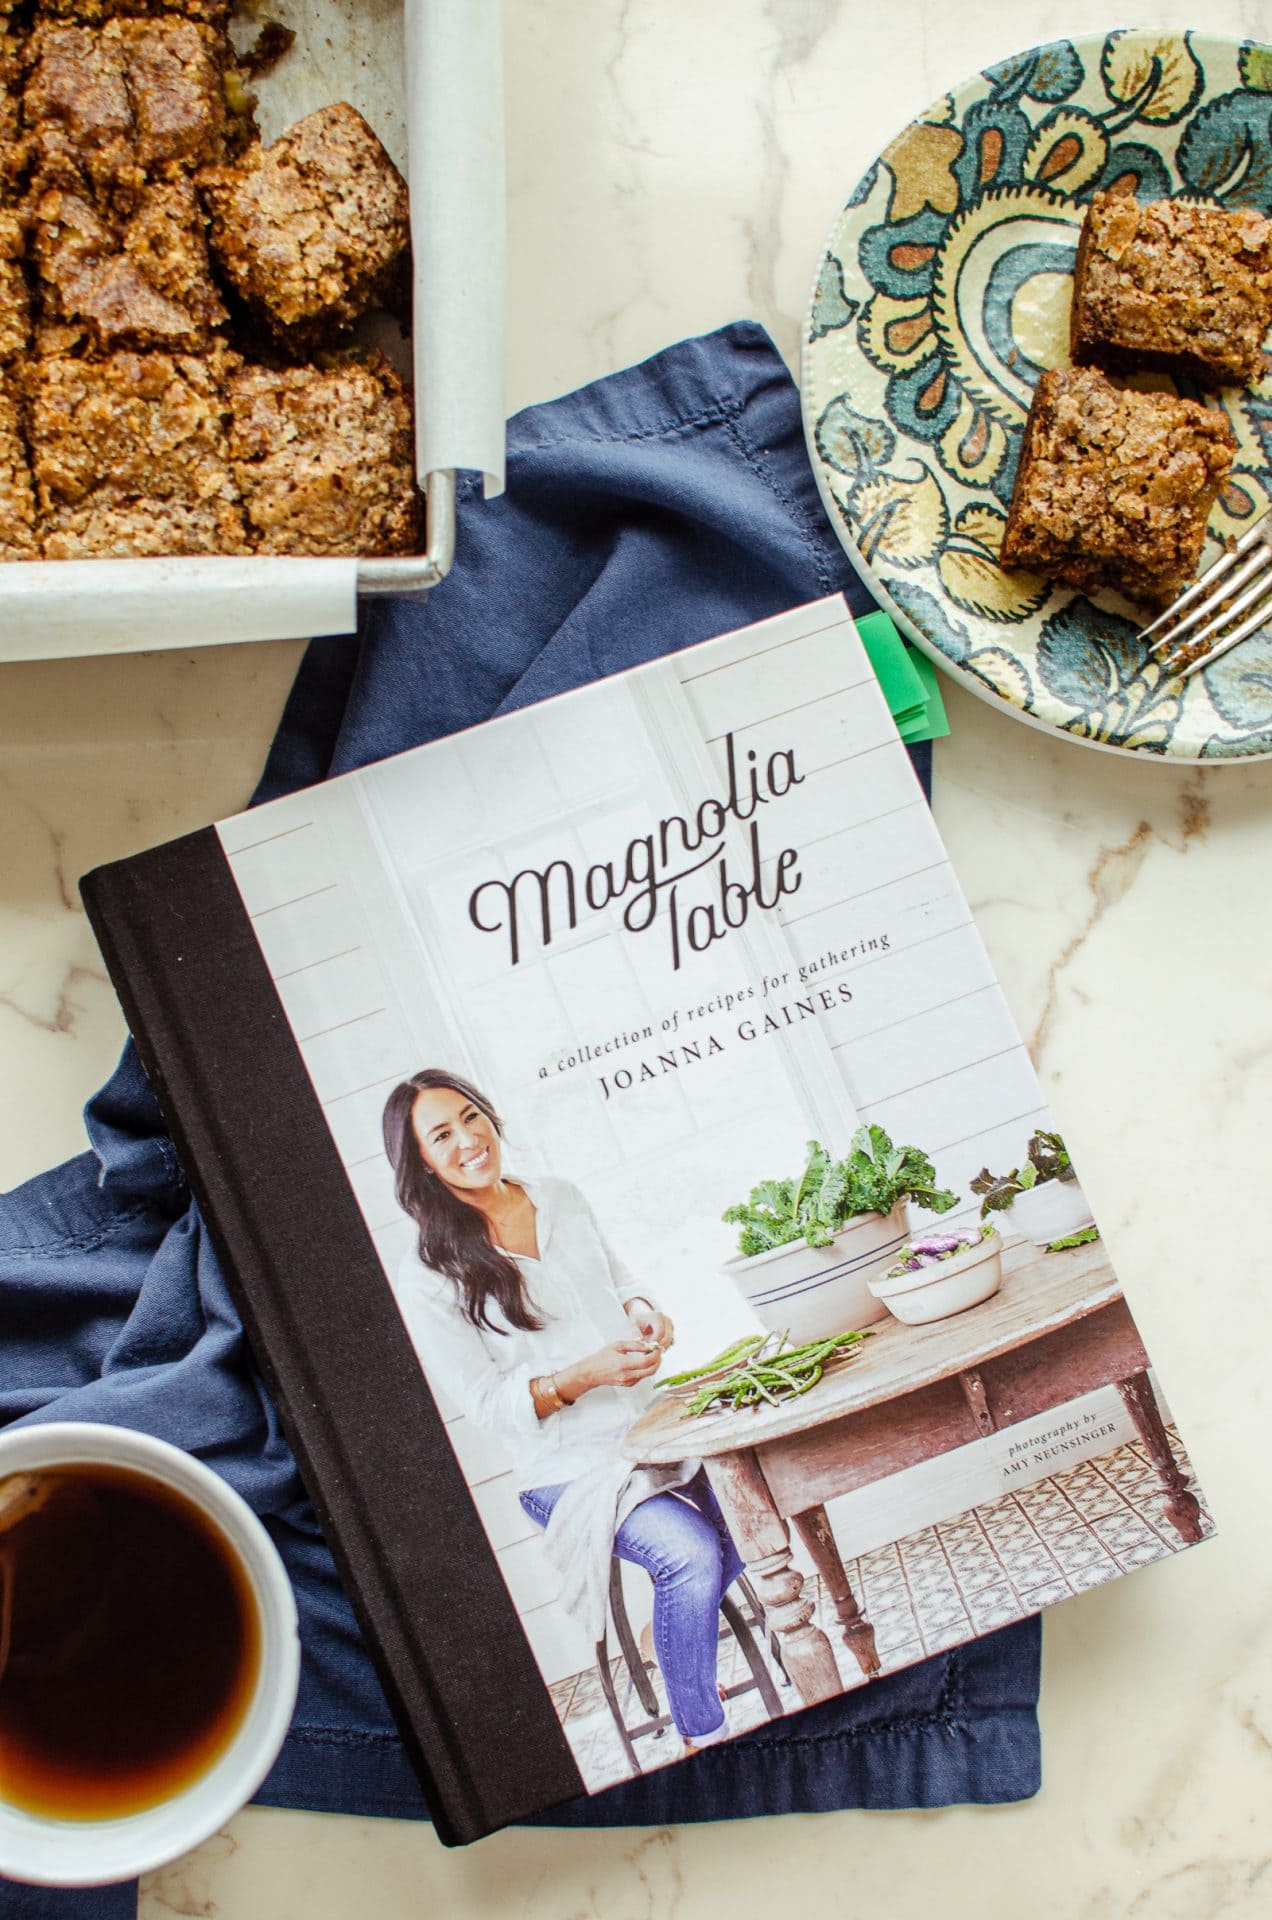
(944, 292)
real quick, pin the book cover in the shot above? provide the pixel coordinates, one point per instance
(681, 1301)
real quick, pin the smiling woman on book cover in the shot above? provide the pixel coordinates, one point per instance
(531, 1322)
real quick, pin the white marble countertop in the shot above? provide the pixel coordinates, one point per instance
(672, 168)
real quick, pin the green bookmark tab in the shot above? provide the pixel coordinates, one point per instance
(934, 724)
(907, 678)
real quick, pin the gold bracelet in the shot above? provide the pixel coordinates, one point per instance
(547, 1390)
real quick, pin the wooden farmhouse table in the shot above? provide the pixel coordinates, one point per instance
(1058, 1328)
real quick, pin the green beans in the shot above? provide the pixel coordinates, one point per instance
(739, 1350)
(761, 1373)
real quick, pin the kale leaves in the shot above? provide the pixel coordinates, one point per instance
(830, 1193)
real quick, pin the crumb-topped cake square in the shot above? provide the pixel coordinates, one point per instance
(175, 72)
(309, 230)
(17, 499)
(92, 12)
(129, 456)
(137, 280)
(137, 100)
(1114, 487)
(11, 64)
(324, 458)
(1180, 288)
(15, 330)
(75, 106)
(15, 319)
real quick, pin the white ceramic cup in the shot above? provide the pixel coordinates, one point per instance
(80, 1853)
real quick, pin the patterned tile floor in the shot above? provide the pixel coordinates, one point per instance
(932, 1589)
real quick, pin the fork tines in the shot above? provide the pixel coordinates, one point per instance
(1231, 600)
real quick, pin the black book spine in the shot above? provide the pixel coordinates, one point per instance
(471, 1705)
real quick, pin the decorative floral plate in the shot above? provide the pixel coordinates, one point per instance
(945, 291)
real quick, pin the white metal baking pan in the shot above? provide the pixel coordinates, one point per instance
(427, 75)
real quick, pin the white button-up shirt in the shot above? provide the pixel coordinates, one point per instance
(577, 1286)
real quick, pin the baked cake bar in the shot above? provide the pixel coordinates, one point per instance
(1180, 288)
(324, 458)
(133, 102)
(129, 456)
(1114, 487)
(17, 500)
(92, 12)
(15, 319)
(140, 280)
(309, 230)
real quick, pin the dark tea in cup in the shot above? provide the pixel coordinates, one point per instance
(129, 1641)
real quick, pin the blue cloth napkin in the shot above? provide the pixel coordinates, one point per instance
(648, 511)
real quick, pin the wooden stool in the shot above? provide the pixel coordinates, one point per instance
(638, 1668)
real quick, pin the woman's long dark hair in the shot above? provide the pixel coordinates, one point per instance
(454, 1236)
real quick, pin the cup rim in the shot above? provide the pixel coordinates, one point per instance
(40, 1850)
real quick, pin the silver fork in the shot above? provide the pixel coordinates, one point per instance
(1231, 600)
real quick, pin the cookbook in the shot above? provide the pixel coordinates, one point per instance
(680, 1300)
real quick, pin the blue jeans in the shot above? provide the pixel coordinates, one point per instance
(682, 1541)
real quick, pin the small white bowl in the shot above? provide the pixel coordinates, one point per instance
(946, 1286)
(1051, 1212)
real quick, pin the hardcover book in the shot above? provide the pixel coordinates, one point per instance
(680, 1300)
